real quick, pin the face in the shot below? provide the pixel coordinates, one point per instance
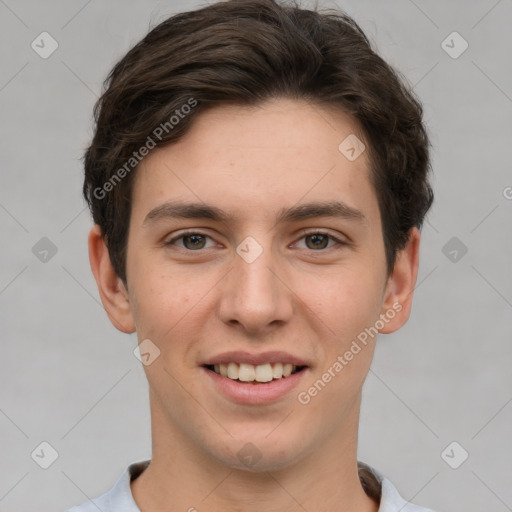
(257, 281)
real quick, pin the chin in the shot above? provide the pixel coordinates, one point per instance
(258, 454)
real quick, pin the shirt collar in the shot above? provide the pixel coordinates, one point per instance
(120, 498)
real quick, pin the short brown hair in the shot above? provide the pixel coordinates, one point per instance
(245, 52)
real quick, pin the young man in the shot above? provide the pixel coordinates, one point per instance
(258, 178)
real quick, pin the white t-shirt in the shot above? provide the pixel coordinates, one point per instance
(120, 499)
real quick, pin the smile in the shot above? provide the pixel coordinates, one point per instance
(244, 372)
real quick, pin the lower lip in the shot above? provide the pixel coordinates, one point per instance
(255, 394)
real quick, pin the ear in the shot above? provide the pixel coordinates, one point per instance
(399, 289)
(113, 293)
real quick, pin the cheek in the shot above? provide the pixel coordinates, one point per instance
(159, 301)
(169, 309)
(345, 300)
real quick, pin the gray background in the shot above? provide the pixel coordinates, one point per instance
(69, 378)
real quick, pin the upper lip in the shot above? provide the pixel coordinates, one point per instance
(239, 356)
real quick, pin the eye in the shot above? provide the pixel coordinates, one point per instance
(192, 240)
(320, 239)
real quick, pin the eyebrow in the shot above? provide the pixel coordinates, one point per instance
(178, 210)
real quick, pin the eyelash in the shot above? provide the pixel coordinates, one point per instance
(310, 233)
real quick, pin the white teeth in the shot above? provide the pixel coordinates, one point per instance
(287, 369)
(246, 372)
(233, 371)
(250, 373)
(277, 370)
(263, 373)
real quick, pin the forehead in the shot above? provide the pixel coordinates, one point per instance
(251, 162)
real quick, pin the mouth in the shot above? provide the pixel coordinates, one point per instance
(255, 374)
(249, 378)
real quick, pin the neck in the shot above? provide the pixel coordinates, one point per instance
(182, 478)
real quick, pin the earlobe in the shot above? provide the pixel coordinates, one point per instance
(399, 290)
(113, 293)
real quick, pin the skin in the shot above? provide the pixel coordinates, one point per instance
(194, 303)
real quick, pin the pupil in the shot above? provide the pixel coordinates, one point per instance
(324, 237)
(195, 237)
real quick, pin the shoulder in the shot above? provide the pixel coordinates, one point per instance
(99, 503)
(383, 491)
(119, 498)
(103, 502)
(393, 502)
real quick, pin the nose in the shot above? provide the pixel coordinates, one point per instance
(256, 295)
